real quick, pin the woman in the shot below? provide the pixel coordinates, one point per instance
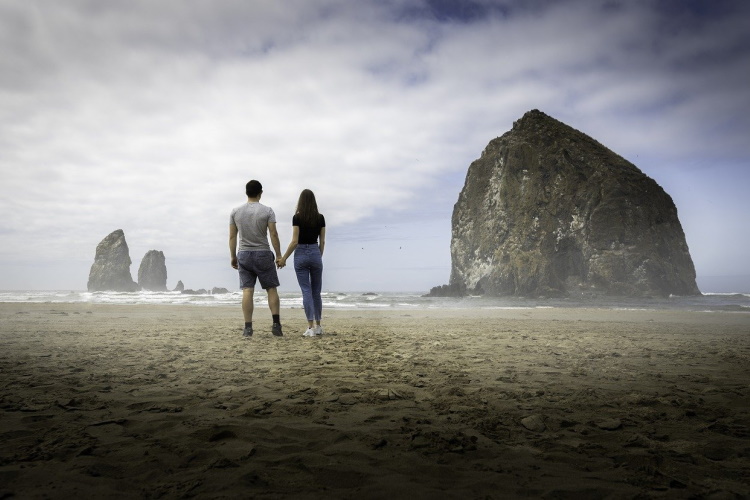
(308, 242)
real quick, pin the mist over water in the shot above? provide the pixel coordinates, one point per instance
(729, 302)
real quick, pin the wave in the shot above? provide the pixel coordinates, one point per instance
(726, 302)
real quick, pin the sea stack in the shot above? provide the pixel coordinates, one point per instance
(111, 268)
(548, 211)
(152, 273)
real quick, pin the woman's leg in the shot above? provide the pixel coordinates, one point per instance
(316, 284)
(301, 268)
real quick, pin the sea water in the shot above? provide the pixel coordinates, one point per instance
(728, 302)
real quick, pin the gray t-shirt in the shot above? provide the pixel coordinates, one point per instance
(251, 221)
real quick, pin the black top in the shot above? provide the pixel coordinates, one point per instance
(308, 235)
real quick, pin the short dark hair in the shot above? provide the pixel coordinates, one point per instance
(253, 189)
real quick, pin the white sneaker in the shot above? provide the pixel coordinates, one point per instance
(318, 330)
(309, 333)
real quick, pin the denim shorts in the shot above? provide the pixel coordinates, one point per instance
(260, 265)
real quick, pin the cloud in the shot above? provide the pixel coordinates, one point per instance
(151, 116)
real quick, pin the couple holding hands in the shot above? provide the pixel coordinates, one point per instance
(250, 226)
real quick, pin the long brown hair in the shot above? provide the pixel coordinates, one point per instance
(307, 208)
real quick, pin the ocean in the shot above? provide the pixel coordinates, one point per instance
(727, 302)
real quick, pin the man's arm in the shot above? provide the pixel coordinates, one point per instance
(274, 239)
(233, 245)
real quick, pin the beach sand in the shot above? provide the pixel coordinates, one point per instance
(100, 401)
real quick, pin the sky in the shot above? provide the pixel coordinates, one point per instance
(150, 117)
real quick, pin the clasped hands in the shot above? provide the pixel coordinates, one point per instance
(280, 262)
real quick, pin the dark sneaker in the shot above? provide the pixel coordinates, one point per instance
(248, 331)
(276, 329)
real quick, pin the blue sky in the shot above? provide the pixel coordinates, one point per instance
(151, 116)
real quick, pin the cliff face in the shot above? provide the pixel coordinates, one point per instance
(547, 210)
(111, 267)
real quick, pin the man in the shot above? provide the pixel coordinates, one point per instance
(253, 222)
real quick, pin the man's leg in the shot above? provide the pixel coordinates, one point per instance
(275, 305)
(247, 304)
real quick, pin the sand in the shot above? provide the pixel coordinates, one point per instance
(101, 401)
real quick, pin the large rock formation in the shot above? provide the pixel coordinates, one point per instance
(152, 273)
(548, 211)
(111, 267)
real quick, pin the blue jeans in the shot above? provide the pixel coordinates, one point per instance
(308, 264)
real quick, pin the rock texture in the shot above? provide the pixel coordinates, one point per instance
(548, 211)
(152, 273)
(180, 287)
(111, 267)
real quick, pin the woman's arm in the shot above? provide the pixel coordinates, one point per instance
(322, 238)
(292, 246)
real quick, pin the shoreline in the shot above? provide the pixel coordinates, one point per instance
(156, 400)
(390, 301)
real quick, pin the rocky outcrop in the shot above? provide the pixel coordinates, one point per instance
(180, 287)
(111, 267)
(152, 273)
(548, 211)
(202, 291)
(452, 290)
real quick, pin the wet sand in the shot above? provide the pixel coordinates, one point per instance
(149, 401)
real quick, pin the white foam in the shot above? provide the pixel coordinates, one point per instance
(725, 302)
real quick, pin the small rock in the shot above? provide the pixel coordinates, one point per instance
(534, 423)
(420, 441)
(223, 463)
(718, 452)
(348, 399)
(380, 444)
(611, 424)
